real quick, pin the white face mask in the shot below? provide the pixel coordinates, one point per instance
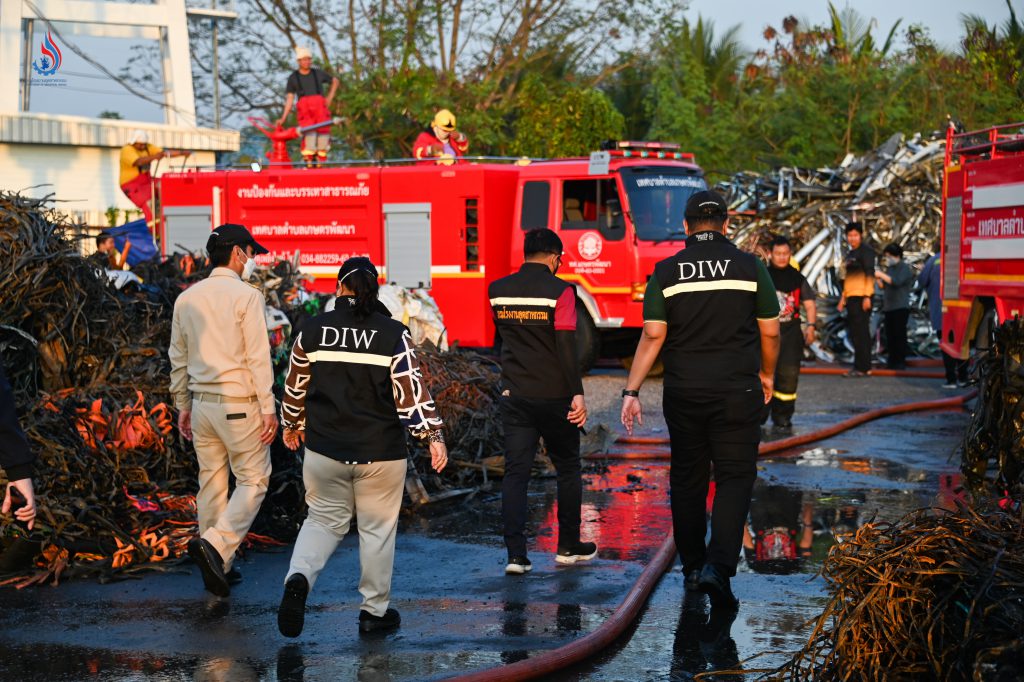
(248, 269)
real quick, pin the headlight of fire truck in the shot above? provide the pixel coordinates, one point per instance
(636, 290)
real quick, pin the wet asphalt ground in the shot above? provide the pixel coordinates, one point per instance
(461, 613)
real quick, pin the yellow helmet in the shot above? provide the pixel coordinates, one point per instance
(445, 120)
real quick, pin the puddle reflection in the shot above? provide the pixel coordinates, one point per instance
(779, 534)
(703, 641)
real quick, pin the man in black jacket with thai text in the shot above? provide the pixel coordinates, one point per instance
(542, 394)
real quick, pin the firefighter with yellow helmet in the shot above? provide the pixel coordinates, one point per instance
(441, 141)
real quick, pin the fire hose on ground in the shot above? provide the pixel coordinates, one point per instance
(628, 610)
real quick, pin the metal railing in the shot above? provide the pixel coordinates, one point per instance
(991, 142)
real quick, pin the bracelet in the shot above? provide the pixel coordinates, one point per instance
(630, 393)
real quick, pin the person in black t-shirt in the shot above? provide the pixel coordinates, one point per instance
(792, 290)
(307, 84)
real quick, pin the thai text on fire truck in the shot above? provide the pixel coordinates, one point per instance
(274, 192)
(1001, 227)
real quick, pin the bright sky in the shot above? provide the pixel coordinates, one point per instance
(940, 17)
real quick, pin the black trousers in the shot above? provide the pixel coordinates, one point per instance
(858, 322)
(787, 374)
(896, 337)
(712, 429)
(526, 421)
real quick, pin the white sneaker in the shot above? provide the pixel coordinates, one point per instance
(518, 565)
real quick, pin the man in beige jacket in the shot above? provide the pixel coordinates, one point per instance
(221, 379)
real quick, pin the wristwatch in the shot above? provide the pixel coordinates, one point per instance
(629, 393)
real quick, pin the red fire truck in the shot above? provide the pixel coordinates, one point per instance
(453, 229)
(982, 235)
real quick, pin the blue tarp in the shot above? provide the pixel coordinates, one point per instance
(143, 246)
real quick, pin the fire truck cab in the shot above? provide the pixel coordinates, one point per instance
(982, 235)
(453, 229)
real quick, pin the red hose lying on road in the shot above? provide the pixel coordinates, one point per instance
(586, 646)
(829, 431)
(803, 439)
(589, 645)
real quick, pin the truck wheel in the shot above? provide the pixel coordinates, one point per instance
(657, 369)
(588, 341)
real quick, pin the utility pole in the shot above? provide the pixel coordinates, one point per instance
(215, 15)
(26, 75)
(216, 71)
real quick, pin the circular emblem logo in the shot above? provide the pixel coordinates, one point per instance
(589, 245)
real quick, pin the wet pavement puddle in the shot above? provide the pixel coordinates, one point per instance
(460, 612)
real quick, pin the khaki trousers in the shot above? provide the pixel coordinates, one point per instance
(335, 492)
(228, 435)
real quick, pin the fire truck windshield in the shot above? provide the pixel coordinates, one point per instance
(657, 199)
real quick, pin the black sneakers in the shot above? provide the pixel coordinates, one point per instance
(291, 615)
(692, 580)
(518, 565)
(581, 551)
(371, 623)
(211, 566)
(717, 587)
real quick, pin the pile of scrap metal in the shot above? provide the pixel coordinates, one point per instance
(992, 451)
(88, 364)
(894, 191)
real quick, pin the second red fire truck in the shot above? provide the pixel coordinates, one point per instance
(453, 229)
(982, 235)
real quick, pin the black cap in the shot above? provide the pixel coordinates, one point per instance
(232, 234)
(357, 263)
(707, 204)
(541, 240)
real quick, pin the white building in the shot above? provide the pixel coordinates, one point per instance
(52, 139)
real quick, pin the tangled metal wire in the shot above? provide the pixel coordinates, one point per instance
(995, 437)
(929, 597)
(88, 363)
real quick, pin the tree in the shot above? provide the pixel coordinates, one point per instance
(399, 60)
(564, 121)
(694, 90)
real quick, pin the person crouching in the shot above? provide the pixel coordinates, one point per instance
(354, 381)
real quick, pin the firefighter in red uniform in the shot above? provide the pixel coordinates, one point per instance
(312, 107)
(792, 290)
(441, 141)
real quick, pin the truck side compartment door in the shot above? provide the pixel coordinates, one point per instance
(407, 244)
